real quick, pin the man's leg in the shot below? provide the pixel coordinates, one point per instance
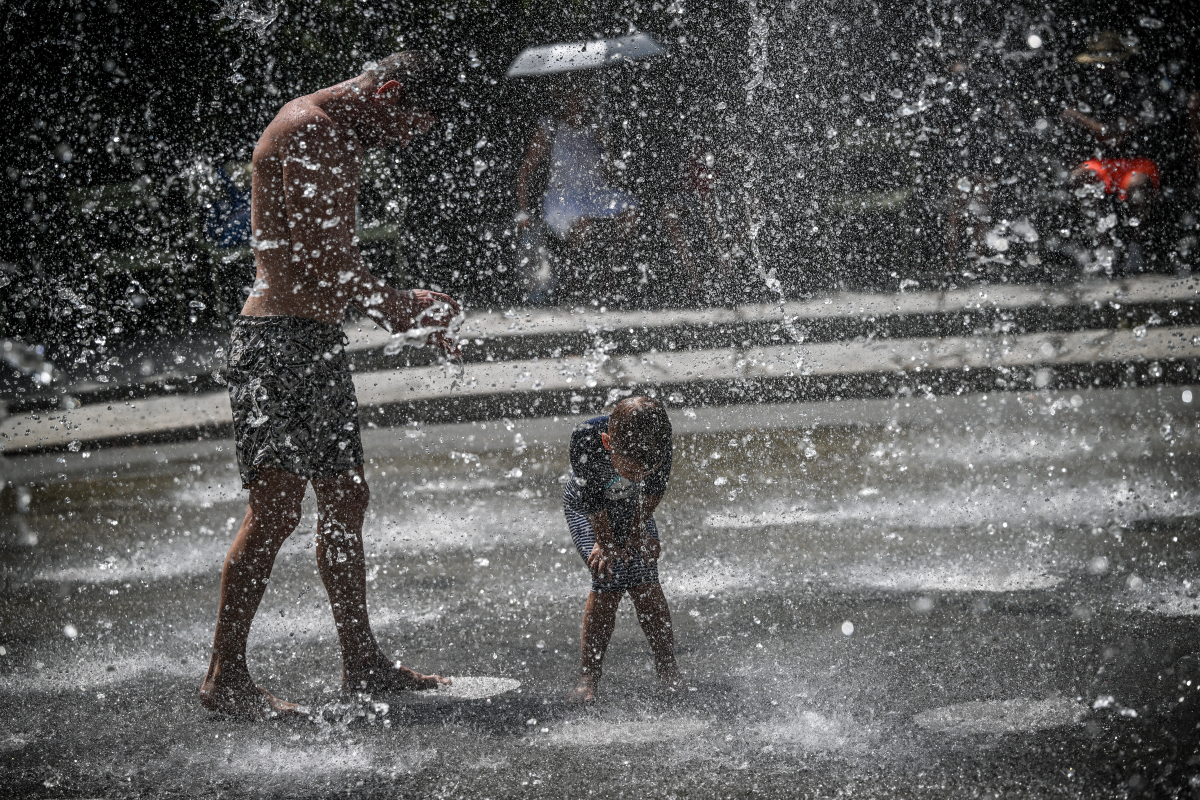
(341, 505)
(599, 619)
(272, 515)
(655, 618)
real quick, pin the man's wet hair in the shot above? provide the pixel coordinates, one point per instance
(425, 79)
(640, 429)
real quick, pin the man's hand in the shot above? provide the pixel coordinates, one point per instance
(437, 310)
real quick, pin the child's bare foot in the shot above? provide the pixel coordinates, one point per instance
(383, 676)
(584, 691)
(247, 702)
(670, 680)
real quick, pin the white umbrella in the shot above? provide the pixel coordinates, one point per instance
(549, 59)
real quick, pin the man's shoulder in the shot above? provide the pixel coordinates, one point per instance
(301, 119)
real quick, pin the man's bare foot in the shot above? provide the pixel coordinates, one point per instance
(383, 676)
(250, 703)
(584, 691)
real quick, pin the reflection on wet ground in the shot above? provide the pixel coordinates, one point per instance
(1021, 592)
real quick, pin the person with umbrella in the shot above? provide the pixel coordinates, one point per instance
(572, 142)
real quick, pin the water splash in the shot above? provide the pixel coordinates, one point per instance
(27, 360)
(242, 13)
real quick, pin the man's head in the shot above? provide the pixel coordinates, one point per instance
(639, 437)
(402, 95)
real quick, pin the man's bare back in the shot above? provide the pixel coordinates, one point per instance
(307, 166)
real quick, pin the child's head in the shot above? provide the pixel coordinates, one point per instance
(639, 436)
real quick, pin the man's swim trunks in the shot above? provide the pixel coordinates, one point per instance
(293, 398)
(1118, 173)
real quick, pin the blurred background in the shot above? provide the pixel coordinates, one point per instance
(842, 145)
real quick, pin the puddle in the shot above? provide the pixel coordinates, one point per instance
(1002, 716)
(590, 733)
(952, 579)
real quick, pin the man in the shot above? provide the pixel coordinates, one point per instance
(295, 414)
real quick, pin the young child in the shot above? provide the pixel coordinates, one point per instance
(619, 470)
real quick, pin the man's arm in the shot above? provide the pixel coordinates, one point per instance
(397, 310)
(321, 197)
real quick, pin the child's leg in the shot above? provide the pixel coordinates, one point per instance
(655, 618)
(599, 619)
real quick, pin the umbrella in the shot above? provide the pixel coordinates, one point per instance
(549, 59)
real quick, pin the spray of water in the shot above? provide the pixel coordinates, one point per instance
(439, 326)
(755, 212)
(243, 14)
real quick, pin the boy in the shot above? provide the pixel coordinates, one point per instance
(619, 470)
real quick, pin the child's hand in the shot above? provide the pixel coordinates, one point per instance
(601, 561)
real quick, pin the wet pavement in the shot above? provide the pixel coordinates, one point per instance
(988, 595)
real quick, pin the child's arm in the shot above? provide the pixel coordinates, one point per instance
(605, 552)
(638, 540)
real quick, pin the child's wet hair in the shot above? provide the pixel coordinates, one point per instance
(640, 429)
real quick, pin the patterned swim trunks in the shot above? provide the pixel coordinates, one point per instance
(293, 398)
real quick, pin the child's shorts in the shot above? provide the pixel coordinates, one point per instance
(626, 574)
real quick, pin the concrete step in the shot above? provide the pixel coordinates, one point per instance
(187, 365)
(796, 372)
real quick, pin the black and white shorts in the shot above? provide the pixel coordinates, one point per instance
(293, 398)
(626, 574)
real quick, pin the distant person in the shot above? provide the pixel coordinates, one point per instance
(228, 220)
(578, 194)
(1116, 112)
(691, 208)
(975, 123)
(295, 415)
(620, 465)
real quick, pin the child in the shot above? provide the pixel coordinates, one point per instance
(619, 470)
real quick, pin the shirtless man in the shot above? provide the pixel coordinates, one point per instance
(295, 414)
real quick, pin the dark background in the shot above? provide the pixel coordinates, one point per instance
(150, 97)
